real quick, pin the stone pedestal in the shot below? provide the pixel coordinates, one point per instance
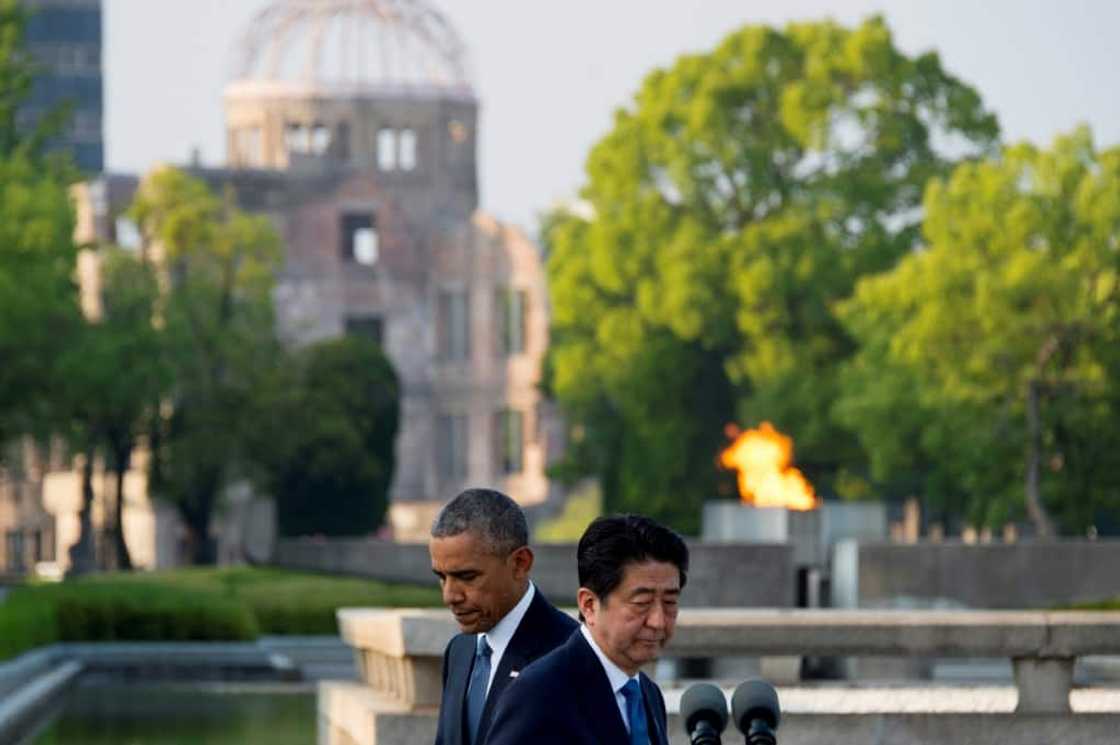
(1044, 684)
(399, 654)
(355, 714)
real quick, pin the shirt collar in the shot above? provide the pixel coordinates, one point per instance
(615, 674)
(501, 635)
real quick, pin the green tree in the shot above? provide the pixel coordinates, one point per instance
(741, 195)
(38, 295)
(327, 451)
(218, 266)
(116, 372)
(987, 377)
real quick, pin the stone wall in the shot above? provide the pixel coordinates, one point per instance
(728, 575)
(997, 576)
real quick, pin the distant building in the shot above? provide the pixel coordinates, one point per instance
(353, 126)
(63, 38)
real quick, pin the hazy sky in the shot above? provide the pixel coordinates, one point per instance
(549, 74)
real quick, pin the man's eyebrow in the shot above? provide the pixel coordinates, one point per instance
(455, 573)
(653, 591)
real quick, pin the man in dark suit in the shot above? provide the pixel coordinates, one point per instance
(480, 554)
(591, 691)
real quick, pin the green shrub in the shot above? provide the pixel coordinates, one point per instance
(301, 603)
(197, 604)
(108, 611)
(26, 621)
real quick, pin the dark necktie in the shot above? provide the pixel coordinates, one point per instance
(636, 713)
(476, 692)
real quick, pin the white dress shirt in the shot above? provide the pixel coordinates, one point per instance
(615, 674)
(500, 636)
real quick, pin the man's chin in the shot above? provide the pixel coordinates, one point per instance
(470, 623)
(646, 652)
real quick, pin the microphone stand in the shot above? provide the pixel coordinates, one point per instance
(704, 734)
(760, 733)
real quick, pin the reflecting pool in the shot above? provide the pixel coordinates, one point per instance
(97, 713)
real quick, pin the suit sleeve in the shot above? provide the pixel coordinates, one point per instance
(440, 737)
(524, 715)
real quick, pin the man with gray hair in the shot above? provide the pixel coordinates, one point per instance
(480, 553)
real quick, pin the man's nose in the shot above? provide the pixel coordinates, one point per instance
(657, 617)
(452, 593)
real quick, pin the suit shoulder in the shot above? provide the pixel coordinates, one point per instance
(558, 620)
(457, 641)
(543, 670)
(654, 689)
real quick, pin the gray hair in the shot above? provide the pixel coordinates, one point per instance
(489, 514)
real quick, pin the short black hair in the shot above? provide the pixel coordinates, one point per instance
(612, 542)
(489, 514)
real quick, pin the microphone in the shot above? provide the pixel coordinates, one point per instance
(704, 711)
(755, 709)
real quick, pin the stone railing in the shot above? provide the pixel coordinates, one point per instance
(400, 653)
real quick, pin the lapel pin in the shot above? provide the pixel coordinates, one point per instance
(513, 673)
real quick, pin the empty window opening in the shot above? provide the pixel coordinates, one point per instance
(295, 138)
(453, 325)
(451, 446)
(407, 149)
(366, 327)
(360, 240)
(320, 139)
(511, 308)
(387, 150)
(509, 430)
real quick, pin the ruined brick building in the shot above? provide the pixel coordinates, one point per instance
(354, 124)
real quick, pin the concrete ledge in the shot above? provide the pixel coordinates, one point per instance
(399, 651)
(20, 708)
(223, 660)
(1028, 574)
(15, 673)
(732, 575)
(711, 632)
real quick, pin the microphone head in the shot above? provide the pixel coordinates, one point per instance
(703, 702)
(755, 699)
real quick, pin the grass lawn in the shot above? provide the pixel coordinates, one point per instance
(237, 603)
(1109, 604)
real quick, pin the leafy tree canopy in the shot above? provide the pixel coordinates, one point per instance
(732, 204)
(327, 447)
(218, 266)
(987, 376)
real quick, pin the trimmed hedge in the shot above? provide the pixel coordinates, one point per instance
(197, 604)
(27, 620)
(111, 611)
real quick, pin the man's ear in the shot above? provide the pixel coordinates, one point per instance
(522, 559)
(588, 604)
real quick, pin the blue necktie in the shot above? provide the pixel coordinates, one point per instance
(636, 713)
(476, 692)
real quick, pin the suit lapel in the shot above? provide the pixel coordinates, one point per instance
(599, 704)
(523, 648)
(658, 737)
(462, 657)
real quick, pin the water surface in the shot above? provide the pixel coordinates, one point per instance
(98, 713)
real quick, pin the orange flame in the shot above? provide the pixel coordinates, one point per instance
(762, 457)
